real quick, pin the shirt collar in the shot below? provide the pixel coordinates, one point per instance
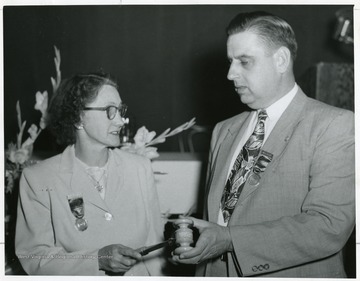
(275, 110)
(87, 167)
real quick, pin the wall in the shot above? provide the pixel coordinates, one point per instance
(170, 61)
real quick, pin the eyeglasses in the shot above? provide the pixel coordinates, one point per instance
(111, 110)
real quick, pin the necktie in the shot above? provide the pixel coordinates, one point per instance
(242, 167)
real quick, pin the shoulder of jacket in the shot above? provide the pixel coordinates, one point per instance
(325, 111)
(120, 154)
(227, 123)
(41, 166)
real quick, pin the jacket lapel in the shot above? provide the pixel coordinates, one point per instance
(115, 181)
(278, 141)
(225, 150)
(285, 127)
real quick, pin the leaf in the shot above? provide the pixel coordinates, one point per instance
(156, 141)
(183, 127)
(18, 111)
(20, 135)
(159, 139)
(167, 133)
(163, 134)
(55, 82)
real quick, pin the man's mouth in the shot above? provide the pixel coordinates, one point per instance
(239, 89)
(116, 133)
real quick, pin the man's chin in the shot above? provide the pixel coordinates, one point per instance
(245, 99)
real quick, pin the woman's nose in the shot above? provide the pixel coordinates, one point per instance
(119, 120)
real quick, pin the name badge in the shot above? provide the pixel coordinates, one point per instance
(260, 165)
(76, 203)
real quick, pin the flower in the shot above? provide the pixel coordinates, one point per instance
(33, 132)
(18, 155)
(149, 152)
(41, 102)
(143, 140)
(143, 136)
(42, 105)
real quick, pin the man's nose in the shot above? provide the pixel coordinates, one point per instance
(233, 72)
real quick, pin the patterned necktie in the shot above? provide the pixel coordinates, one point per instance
(242, 167)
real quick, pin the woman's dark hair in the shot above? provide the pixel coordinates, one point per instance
(69, 100)
(273, 30)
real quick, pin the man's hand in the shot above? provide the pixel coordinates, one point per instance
(214, 240)
(117, 258)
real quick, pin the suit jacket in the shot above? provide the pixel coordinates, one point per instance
(47, 241)
(295, 222)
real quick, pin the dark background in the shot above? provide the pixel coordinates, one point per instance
(170, 60)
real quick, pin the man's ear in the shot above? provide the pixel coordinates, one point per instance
(283, 59)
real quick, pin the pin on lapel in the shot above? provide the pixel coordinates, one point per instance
(76, 204)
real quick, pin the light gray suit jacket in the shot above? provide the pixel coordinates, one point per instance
(295, 222)
(47, 241)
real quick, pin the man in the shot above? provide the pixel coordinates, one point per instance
(280, 184)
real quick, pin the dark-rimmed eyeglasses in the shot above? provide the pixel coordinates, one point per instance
(111, 110)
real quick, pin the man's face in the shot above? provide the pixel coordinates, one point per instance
(253, 70)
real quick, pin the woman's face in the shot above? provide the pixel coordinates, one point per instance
(98, 130)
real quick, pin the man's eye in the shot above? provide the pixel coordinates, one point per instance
(244, 62)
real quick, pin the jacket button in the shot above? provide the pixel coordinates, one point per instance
(108, 216)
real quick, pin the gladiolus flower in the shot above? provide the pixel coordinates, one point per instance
(33, 131)
(41, 102)
(19, 156)
(143, 136)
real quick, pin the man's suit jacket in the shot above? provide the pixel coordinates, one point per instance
(295, 222)
(47, 241)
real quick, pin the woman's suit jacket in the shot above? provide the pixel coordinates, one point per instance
(47, 241)
(295, 222)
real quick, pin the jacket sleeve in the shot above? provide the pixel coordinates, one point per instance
(155, 261)
(35, 238)
(327, 215)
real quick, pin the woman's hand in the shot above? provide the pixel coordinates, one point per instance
(117, 258)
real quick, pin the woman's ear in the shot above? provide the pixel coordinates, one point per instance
(283, 59)
(79, 126)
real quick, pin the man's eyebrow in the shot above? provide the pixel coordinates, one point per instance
(241, 57)
(244, 57)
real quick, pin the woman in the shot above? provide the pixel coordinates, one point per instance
(87, 210)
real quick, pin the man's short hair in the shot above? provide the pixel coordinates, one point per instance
(273, 30)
